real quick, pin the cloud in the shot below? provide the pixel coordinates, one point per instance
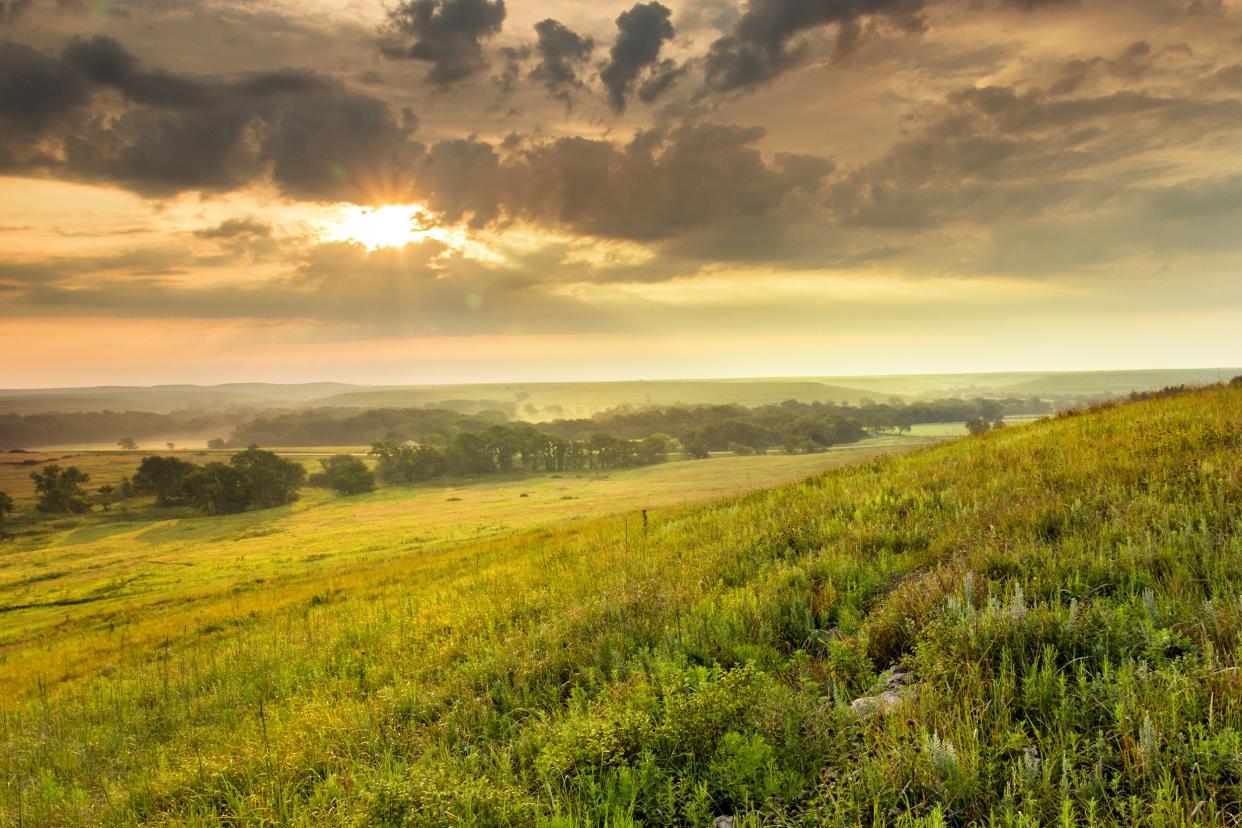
(662, 77)
(10, 10)
(36, 90)
(759, 47)
(561, 52)
(236, 228)
(313, 137)
(448, 34)
(642, 32)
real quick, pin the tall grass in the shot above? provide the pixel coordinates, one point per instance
(1065, 597)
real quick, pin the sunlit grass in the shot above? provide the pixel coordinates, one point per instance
(1064, 596)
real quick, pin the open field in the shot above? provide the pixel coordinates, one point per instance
(89, 584)
(1062, 599)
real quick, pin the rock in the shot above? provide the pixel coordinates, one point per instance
(892, 692)
(883, 703)
(723, 822)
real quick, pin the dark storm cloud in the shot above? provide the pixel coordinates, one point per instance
(708, 181)
(448, 34)
(10, 10)
(314, 137)
(104, 61)
(662, 77)
(641, 33)
(759, 47)
(562, 52)
(36, 90)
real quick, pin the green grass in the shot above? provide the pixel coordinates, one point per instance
(1064, 596)
(75, 588)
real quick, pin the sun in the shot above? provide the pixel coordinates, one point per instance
(395, 225)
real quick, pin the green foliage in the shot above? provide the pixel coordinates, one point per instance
(164, 477)
(60, 490)
(6, 509)
(346, 475)
(270, 479)
(1062, 596)
(218, 489)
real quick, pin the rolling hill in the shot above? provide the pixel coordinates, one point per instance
(1036, 626)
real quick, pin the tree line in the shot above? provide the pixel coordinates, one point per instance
(105, 427)
(514, 447)
(252, 479)
(791, 426)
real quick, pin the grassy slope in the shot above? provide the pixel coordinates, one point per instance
(1065, 595)
(74, 590)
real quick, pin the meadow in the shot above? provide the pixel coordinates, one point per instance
(1037, 626)
(77, 590)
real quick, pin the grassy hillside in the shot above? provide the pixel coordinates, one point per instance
(1054, 608)
(75, 590)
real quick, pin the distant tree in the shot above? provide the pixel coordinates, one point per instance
(105, 496)
(171, 445)
(217, 443)
(127, 443)
(347, 475)
(60, 490)
(126, 488)
(218, 489)
(6, 509)
(272, 480)
(696, 446)
(1236, 382)
(163, 477)
(977, 425)
(999, 422)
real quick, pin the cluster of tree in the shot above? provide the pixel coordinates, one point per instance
(252, 479)
(507, 448)
(106, 427)
(791, 425)
(344, 474)
(350, 427)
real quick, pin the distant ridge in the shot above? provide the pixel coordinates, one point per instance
(583, 398)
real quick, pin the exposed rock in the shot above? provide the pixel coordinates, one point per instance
(723, 822)
(892, 692)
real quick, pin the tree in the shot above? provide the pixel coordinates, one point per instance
(217, 443)
(347, 475)
(163, 477)
(105, 496)
(171, 445)
(218, 489)
(272, 480)
(127, 443)
(977, 426)
(60, 490)
(6, 509)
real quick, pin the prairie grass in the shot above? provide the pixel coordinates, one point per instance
(1065, 597)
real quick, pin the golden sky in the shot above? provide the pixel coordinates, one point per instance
(441, 190)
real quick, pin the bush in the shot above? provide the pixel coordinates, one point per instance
(60, 490)
(346, 475)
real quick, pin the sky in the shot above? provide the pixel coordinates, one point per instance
(431, 191)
